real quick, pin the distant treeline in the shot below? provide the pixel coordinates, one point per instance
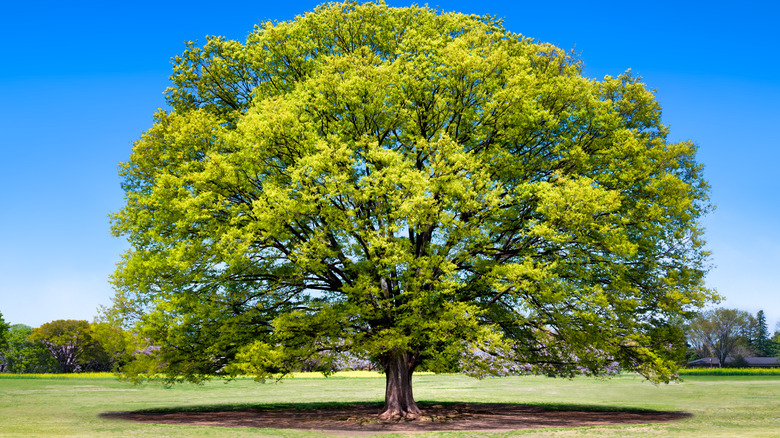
(78, 346)
(64, 346)
(730, 333)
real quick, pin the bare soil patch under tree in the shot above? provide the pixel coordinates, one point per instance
(359, 419)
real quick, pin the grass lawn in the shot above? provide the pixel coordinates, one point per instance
(721, 406)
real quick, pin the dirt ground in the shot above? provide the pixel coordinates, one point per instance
(362, 419)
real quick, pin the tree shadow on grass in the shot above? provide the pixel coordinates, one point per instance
(361, 418)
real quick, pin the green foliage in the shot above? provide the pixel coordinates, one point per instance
(720, 332)
(67, 346)
(72, 345)
(760, 341)
(3, 333)
(119, 345)
(23, 355)
(115, 345)
(773, 345)
(398, 182)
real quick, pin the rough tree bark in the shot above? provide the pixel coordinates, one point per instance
(399, 401)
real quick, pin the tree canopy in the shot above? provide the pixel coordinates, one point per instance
(71, 344)
(22, 355)
(720, 332)
(4, 329)
(418, 188)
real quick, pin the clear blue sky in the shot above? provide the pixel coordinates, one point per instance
(79, 81)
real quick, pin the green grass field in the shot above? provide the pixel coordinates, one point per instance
(722, 406)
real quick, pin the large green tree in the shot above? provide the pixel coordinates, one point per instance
(417, 188)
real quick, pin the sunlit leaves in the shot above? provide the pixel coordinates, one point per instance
(398, 180)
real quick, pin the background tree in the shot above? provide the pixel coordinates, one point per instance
(71, 344)
(116, 346)
(760, 342)
(3, 333)
(22, 355)
(420, 189)
(774, 341)
(720, 332)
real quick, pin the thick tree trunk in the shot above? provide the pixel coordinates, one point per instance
(399, 402)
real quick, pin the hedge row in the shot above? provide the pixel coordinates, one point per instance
(730, 372)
